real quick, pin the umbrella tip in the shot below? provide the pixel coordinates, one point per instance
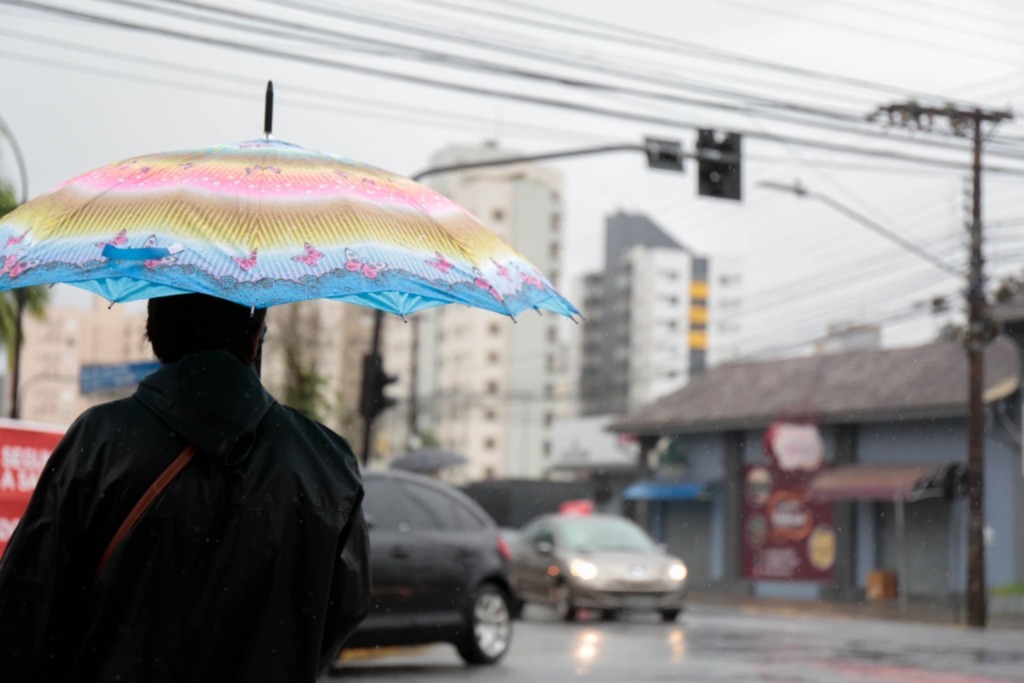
(268, 111)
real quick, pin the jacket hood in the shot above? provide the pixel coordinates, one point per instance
(211, 398)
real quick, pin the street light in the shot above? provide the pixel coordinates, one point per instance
(799, 190)
(661, 154)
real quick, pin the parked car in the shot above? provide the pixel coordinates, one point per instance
(440, 569)
(598, 561)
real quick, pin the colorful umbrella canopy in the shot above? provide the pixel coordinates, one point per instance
(264, 223)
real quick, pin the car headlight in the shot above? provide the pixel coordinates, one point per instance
(677, 571)
(583, 570)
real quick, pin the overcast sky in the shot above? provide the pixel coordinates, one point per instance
(79, 94)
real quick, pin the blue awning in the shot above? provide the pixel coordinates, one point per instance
(658, 490)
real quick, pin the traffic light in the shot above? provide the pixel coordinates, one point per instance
(664, 154)
(718, 173)
(373, 401)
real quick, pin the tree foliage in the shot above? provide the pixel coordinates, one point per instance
(15, 302)
(303, 387)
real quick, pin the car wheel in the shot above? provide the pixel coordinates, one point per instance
(669, 615)
(488, 626)
(609, 614)
(562, 597)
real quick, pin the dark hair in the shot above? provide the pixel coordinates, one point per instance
(185, 323)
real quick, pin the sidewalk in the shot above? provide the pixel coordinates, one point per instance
(915, 611)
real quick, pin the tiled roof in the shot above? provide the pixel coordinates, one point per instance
(868, 386)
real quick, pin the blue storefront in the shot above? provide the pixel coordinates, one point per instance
(893, 434)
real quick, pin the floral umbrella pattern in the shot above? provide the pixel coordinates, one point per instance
(263, 223)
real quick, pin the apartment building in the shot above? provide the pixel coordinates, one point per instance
(78, 329)
(657, 314)
(479, 383)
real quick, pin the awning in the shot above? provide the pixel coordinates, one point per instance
(660, 490)
(883, 482)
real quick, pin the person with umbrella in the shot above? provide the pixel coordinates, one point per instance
(253, 566)
(246, 559)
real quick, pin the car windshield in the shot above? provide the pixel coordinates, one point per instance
(591, 534)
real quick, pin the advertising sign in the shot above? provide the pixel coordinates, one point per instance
(24, 450)
(785, 536)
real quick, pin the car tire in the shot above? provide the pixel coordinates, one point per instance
(670, 615)
(487, 631)
(609, 614)
(562, 599)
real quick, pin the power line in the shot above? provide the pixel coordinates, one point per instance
(794, 114)
(919, 20)
(944, 48)
(666, 43)
(490, 92)
(384, 109)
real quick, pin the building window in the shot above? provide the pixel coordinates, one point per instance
(493, 357)
(497, 215)
(490, 415)
(489, 444)
(492, 387)
(494, 329)
(547, 449)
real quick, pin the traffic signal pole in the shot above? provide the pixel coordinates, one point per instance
(722, 158)
(366, 399)
(667, 155)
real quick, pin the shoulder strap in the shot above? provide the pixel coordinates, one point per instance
(147, 499)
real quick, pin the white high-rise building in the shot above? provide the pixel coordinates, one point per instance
(481, 384)
(656, 315)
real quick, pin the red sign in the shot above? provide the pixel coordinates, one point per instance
(785, 536)
(24, 450)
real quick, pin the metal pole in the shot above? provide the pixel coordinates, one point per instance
(22, 168)
(977, 606)
(378, 321)
(902, 580)
(19, 311)
(414, 355)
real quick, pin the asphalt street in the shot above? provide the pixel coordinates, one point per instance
(709, 644)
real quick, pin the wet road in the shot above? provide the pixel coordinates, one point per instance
(713, 645)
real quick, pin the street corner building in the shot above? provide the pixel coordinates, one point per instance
(812, 477)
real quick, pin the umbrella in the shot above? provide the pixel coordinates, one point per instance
(262, 223)
(428, 460)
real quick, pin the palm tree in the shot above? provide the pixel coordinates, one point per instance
(14, 303)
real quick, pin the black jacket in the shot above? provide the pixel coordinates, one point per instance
(250, 566)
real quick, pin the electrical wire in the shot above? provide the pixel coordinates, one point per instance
(944, 48)
(673, 44)
(449, 59)
(524, 98)
(397, 111)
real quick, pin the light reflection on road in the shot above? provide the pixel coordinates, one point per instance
(677, 645)
(587, 649)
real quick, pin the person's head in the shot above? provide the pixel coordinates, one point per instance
(185, 323)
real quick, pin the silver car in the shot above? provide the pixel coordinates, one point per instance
(601, 562)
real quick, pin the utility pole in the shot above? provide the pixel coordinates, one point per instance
(967, 122)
